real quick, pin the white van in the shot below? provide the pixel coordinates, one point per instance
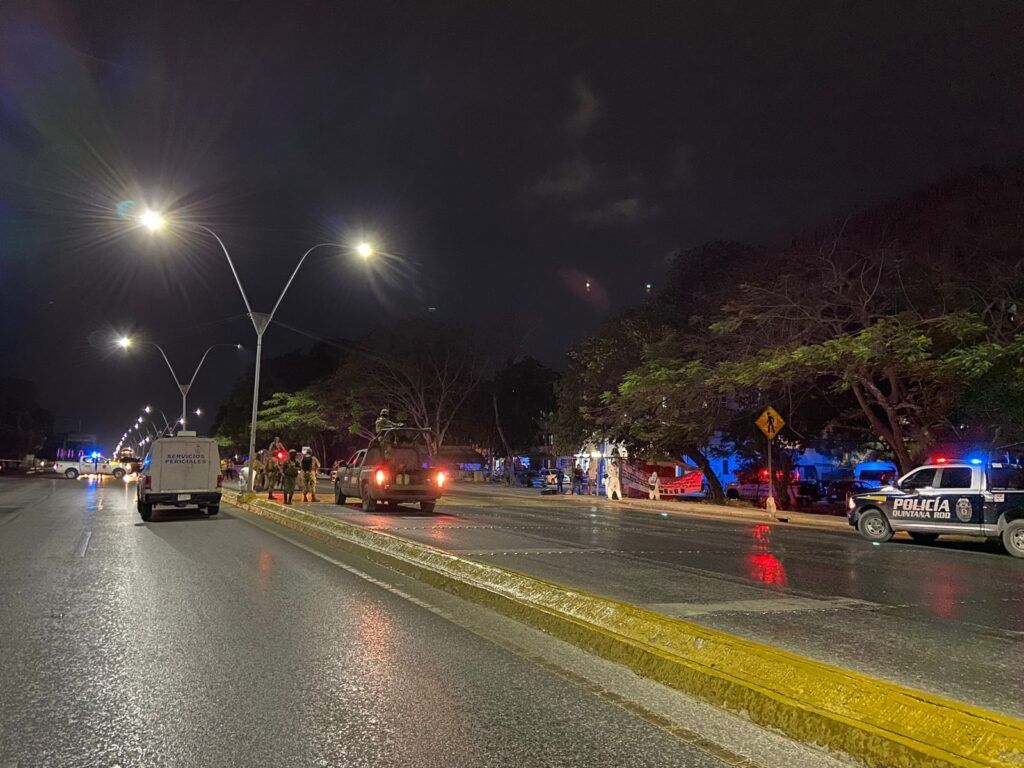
(180, 471)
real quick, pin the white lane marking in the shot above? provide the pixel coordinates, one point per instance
(86, 537)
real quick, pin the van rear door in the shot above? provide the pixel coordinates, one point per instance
(187, 465)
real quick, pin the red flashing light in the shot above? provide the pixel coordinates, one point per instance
(380, 476)
(281, 455)
(941, 460)
(441, 477)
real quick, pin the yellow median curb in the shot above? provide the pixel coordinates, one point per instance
(876, 721)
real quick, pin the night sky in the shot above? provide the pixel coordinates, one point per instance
(502, 152)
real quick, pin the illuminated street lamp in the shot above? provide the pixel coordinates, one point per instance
(199, 411)
(126, 342)
(260, 321)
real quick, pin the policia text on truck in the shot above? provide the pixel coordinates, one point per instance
(959, 498)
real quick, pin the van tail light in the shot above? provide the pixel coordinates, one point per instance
(220, 480)
(441, 477)
(149, 481)
(380, 476)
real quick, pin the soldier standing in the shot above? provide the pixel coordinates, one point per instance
(289, 476)
(310, 465)
(272, 475)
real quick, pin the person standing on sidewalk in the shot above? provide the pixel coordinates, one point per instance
(612, 485)
(654, 484)
(577, 479)
(592, 484)
(310, 465)
(560, 480)
(289, 476)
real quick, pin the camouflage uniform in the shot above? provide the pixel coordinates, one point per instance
(309, 475)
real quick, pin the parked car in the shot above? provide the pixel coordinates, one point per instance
(838, 490)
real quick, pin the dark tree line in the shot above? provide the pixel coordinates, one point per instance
(898, 328)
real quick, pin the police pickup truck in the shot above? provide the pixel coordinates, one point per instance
(395, 467)
(960, 498)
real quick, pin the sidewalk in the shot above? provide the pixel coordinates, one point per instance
(738, 512)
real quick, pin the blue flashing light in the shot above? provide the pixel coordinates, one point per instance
(976, 462)
(95, 454)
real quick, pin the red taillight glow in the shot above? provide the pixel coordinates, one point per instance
(281, 455)
(149, 481)
(220, 480)
(380, 477)
(440, 479)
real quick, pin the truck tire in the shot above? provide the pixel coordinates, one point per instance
(873, 526)
(145, 512)
(733, 494)
(369, 503)
(213, 509)
(339, 497)
(118, 473)
(427, 506)
(1013, 538)
(71, 473)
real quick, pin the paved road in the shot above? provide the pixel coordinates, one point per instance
(191, 641)
(948, 618)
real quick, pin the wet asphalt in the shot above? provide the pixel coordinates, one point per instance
(946, 618)
(193, 641)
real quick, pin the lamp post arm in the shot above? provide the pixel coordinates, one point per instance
(290, 279)
(170, 367)
(231, 264)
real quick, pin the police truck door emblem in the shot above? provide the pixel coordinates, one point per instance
(964, 511)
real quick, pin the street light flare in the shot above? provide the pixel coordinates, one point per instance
(152, 220)
(365, 250)
(124, 342)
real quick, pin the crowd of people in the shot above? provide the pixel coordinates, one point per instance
(277, 467)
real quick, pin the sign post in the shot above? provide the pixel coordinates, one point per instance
(770, 422)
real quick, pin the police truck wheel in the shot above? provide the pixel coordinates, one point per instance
(118, 473)
(71, 474)
(873, 526)
(369, 503)
(340, 498)
(427, 506)
(145, 511)
(921, 537)
(1013, 538)
(213, 509)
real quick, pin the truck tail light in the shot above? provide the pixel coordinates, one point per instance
(149, 481)
(441, 477)
(380, 476)
(220, 480)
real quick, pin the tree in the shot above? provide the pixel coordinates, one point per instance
(423, 372)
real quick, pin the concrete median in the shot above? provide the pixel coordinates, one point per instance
(876, 721)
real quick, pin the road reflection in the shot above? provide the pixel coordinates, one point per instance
(762, 564)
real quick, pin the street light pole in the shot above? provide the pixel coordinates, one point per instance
(182, 388)
(260, 322)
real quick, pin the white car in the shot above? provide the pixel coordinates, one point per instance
(90, 465)
(180, 471)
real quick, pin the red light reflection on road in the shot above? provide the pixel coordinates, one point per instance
(762, 565)
(264, 568)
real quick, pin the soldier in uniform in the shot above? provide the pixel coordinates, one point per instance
(384, 421)
(310, 464)
(289, 476)
(272, 473)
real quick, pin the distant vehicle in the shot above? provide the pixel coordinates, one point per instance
(180, 471)
(963, 499)
(752, 485)
(838, 490)
(875, 474)
(395, 467)
(93, 464)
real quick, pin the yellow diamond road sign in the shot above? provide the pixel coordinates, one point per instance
(770, 422)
